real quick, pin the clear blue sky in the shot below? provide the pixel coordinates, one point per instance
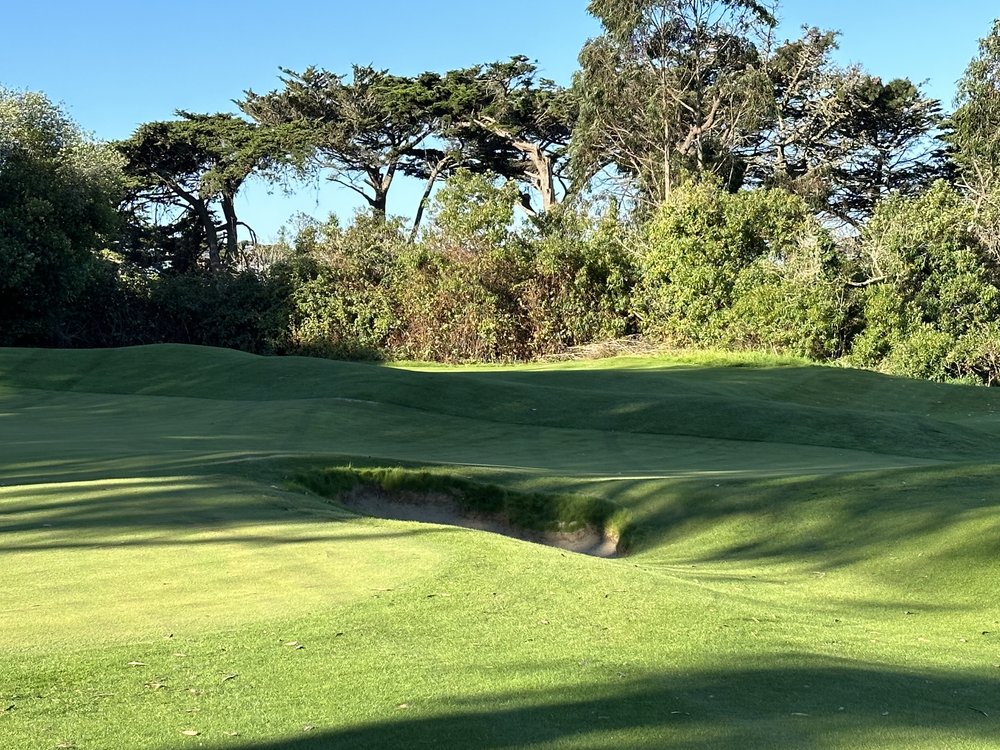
(115, 64)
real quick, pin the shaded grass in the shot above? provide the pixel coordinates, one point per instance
(781, 594)
(839, 408)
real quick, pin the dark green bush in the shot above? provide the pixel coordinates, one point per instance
(747, 270)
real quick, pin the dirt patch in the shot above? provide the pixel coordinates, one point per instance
(433, 507)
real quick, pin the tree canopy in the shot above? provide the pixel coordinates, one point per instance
(700, 182)
(194, 165)
(59, 189)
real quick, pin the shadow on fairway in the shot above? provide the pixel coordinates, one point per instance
(816, 406)
(167, 511)
(826, 521)
(829, 521)
(818, 707)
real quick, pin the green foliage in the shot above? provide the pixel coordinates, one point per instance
(931, 286)
(363, 130)
(343, 291)
(974, 129)
(794, 305)
(838, 137)
(459, 306)
(113, 307)
(584, 275)
(476, 287)
(473, 212)
(58, 192)
(242, 311)
(198, 163)
(975, 357)
(749, 269)
(670, 90)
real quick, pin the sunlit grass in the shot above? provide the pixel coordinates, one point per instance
(787, 587)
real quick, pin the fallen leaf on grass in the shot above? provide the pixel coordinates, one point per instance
(403, 706)
(231, 734)
(308, 728)
(66, 745)
(230, 676)
(155, 684)
(190, 732)
(295, 645)
(136, 664)
(5, 709)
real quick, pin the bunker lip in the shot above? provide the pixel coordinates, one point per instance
(439, 508)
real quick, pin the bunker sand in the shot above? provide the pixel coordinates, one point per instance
(438, 508)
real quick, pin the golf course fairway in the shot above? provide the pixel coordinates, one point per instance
(812, 556)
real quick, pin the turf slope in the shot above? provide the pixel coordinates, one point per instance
(815, 566)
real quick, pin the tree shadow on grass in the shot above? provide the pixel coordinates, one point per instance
(822, 706)
(829, 521)
(826, 521)
(172, 511)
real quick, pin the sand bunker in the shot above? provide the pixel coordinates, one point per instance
(430, 507)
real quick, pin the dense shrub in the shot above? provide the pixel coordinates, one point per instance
(751, 270)
(342, 288)
(931, 288)
(477, 286)
(460, 306)
(58, 192)
(581, 283)
(113, 306)
(241, 311)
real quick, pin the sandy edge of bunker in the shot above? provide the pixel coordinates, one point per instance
(434, 507)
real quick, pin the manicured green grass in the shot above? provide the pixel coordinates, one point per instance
(814, 559)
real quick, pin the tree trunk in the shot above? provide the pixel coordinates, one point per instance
(428, 188)
(232, 243)
(200, 209)
(211, 235)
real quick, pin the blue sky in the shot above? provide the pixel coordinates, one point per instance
(115, 63)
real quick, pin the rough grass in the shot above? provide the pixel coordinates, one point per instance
(814, 565)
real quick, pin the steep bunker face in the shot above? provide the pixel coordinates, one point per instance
(576, 523)
(440, 508)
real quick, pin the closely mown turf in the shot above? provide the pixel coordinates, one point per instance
(814, 556)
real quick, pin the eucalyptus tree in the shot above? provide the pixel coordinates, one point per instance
(838, 137)
(974, 127)
(671, 88)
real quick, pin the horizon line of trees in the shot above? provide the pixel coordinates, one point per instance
(698, 183)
